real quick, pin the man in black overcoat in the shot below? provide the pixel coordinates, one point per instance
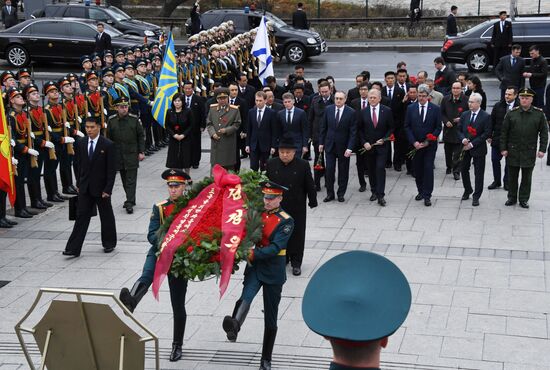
(294, 173)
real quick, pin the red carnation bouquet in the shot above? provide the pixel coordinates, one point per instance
(320, 164)
(429, 138)
(472, 133)
(384, 140)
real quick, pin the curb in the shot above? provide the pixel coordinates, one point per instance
(369, 48)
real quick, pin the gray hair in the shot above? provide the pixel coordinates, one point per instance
(476, 96)
(375, 92)
(423, 88)
(341, 92)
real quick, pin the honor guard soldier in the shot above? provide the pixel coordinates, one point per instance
(23, 150)
(108, 91)
(126, 131)
(145, 51)
(214, 68)
(144, 90)
(523, 126)
(266, 268)
(120, 57)
(107, 59)
(8, 81)
(356, 300)
(137, 52)
(58, 135)
(97, 63)
(138, 103)
(94, 100)
(24, 78)
(87, 66)
(45, 148)
(130, 57)
(176, 181)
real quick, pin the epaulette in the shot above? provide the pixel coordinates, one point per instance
(515, 108)
(12, 113)
(112, 116)
(284, 215)
(213, 105)
(537, 108)
(160, 204)
(132, 115)
(233, 106)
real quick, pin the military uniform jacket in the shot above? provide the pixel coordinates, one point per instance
(36, 116)
(20, 132)
(224, 150)
(520, 131)
(54, 115)
(269, 259)
(129, 138)
(160, 212)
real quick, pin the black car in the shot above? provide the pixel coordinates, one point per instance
(296, 45)
(55, 40)
(473, 47)
(110, 15)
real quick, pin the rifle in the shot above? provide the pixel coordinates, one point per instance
(34, 162)
(101, 111)
(51, 151)
(8, 133)
(70, 149)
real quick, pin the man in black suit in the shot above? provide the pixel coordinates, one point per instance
(293, 123)
(338, 128)
(261, 133)
(198, 114)
(235, 100)
(196, 24)
(271, 102)
(452, 30)
(301, 100)
(9, 14)
(502, 37)
(96, 170)
(423, 120)
(278, 91)
(315, 114)
(359, 104)
(375, 127)
(509, 70)
(444, 77)
(246, 91)
(452, 107)
(102, 40)
(396, 97)
(299, 72)
(299, 18)
(474, 128)
(353, 93)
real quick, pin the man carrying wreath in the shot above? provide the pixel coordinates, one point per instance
(266, 269)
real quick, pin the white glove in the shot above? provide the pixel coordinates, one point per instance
(49, 145)
(33, 152)
(105, 124)
(68, 140)
(14, 161)
(49, 129)
(197, 89)
(196, 77)
(32, 135)
(79, 134)
(105, 112)
(203, 87)
(67, 124)
(89, 114)
(79, 119)
(150, 103)
(12, 142)
(210, 81)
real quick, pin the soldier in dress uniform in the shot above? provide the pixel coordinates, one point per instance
(130, 57)
(523, 126)
(176, 181)
(138, 103)
(120, 57)
(145, 115)
(24, 78)
(126, 131)
(87, 66)
(222, 123)
(97, 63)
(356, 300)
(107, 59)
(8, 81)
(94, 100)
(266, 269)
(213, 66)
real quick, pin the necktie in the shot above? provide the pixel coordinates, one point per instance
(337, 116)
(389, 93)
(259, 119)
(91, 150)
(232, 101)
(501, 26)
(288, 120)
(513, 61)
(422, 112)
(188, 102)
(472, 119)
(374, 118)
(9, 9)
(364, 104)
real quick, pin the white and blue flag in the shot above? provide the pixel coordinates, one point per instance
(262, 51)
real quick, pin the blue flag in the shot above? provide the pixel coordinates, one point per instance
(168, 83)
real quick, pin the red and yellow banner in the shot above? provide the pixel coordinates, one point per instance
(7, 181)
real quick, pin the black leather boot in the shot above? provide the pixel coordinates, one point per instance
(267, 348)
(132, 298)
(176, 353)
(232, 324)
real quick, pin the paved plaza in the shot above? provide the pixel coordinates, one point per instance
(478, 276)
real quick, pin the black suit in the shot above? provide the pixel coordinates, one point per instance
(337, 137)
(198, 114)
(298, 129)
(94, 177)
(304, 103)
(452, 30)
(249, 95)
(360, 161)
(196, 24)
(277, 107)
(299, 20)
(443, 80)
(241, 143)
(9, 18)
(260, 138)
(509, 75)
(501, 40)
(352, 95)
(482, 125)
(102, 43)
(376, 156)
(396, 105)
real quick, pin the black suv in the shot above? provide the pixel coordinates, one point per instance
(296, 45)
(107, 14)
(473, 47)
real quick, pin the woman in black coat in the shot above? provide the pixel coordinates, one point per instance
(474, 86)
(179, 125)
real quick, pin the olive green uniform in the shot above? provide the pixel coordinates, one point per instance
(224, 150)
(520, 131)
(129, 138)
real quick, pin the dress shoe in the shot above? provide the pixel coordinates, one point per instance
(409, 173)
(4, 224)
(62, 196)
(388, 165)
(510, 202)
(475, 202)
(506, 186)
(176, 353)
(466, 195)
(147, 153)
(427, 202)
(11, 222)
(524, 204)
(129, 210)
(373, 197)
(154, 148)
(265, 365)
(31, 212)
(456, 176)
(108, 249)
(195, 167)
(397, 168)
(418, 197)
(23, 214)
(70, 191)
(341, 199)
(44, 203)
(55, 199)
(448, 171)
(317, 187)
(38, 205)
(296, 271)
(382, 202)
(363, 188)
(493, 186)
(70, 254)
(329, 198)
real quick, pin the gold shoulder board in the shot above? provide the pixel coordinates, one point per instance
(284, 215)
(214, 105)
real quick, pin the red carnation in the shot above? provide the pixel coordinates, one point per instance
(392, 137)
(460, 109)
(472, 131)
(189, 249)
(305, 106)
(215, 258)
(431, 137)
(176, 127)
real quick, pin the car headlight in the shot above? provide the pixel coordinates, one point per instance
(149, 33)
(311, 40)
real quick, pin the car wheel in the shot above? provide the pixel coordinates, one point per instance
(295, 53)
(17, 56)
(478, 61)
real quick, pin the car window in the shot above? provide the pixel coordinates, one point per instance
(98, 15)
(49, 28)
(253, 21)
(75, 12)
(51, 11)
(479, 27)
(81, 30)
(532, 29)
(118, 14)
(211, 19)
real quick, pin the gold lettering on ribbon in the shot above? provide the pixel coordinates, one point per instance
(235, 193)
(236, 217)
(233, 243)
